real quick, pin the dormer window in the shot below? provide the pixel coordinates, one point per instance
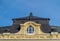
(30, 29)
(53, 30)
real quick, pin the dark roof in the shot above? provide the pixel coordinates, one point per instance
(31, 17)
(9, 29)
(55, 28)
(15, 28)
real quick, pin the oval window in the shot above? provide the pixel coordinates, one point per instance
(30, 29)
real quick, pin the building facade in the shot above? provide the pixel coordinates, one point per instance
(30, 27)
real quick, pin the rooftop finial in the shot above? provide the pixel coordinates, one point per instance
(31, 14)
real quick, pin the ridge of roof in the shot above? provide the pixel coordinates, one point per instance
(31, 17)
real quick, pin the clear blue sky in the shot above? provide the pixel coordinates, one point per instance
(19, 8)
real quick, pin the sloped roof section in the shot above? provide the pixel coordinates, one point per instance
(31, 17)
(55, 28)
(9, 29)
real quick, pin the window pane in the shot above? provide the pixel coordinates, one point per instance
(30, 29)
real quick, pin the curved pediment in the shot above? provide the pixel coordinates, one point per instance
(32, 25)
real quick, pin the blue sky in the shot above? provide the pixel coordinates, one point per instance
(19, 8)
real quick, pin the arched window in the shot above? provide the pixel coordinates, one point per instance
(30, 29)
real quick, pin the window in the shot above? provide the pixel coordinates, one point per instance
(53, 30)
(30, 29)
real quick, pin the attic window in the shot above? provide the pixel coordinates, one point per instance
(6, 30)
(53, 30)
(30, 29)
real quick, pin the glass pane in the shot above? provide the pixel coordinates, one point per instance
(30, 29)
